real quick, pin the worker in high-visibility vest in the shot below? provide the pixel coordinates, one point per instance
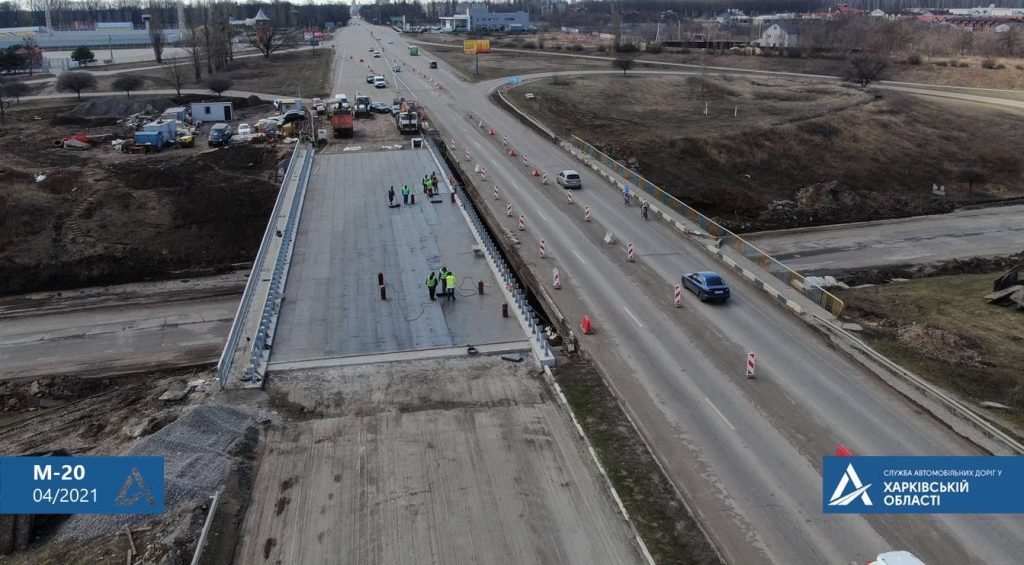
(432, 285)
(442, 275)
(450, 283)
(405, 195)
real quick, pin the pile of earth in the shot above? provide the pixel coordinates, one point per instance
(832, 203)
(138, 219)
(106, 111)
(941, 269)
(938, 344)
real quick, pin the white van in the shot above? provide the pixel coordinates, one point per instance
(342, 101)
(896, 558)
(380, 82)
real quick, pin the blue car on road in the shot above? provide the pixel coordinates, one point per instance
(707, 285)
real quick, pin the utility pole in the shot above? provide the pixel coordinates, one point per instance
(110, 44)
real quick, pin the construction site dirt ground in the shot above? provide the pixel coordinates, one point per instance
(207, 441)
(460, 460)
(778, 153)
(101, 217)
(941, 328)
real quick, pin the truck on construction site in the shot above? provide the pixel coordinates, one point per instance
(408, 122)
(341, 120)
(362, 105)
(407, 119)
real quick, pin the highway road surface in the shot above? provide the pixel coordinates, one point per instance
(465, 460)
(746, 454)
(409, 449)
(982, 232)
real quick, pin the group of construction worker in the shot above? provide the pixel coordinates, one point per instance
(430, 187)
(447, 280)
(405, 196)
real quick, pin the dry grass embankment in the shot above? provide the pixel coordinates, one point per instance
(942, 329)
(775, 152)
(966, 71)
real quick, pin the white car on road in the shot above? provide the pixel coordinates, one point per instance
(244, 129)
(569, 179)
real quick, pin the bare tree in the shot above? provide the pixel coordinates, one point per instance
(971, 176)
(964, 41)
(192, 44)
(177, 76)
(17, 89)
(156, 30)
(269, 38)
(4, 103)
(866, 68)
(219, 84)
(128, 83)
(76, 81)
(623, 64)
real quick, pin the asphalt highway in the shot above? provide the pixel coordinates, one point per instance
(745, 453)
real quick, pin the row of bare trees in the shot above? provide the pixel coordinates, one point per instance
(69, 14)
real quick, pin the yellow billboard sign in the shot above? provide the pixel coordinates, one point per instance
(476, 46)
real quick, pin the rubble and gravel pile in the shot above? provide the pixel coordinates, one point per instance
(199, 450)
(938, 344)
(109, 110)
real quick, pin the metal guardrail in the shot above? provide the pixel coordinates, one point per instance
(777, 269)
(227, 357)
(955, 406)
(501, 270)
(272, 304)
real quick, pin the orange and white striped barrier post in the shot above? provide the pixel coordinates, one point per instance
(542, 249)
(483, 173)
(504, 140)
(568, 196)
(522, 222)
(526, 162)
(544, 178)
(508, 208)
(629, 252)
(495, 192)
(557, 278)
(750, 365)
(467, 154)
(586, 213)
(677, 296)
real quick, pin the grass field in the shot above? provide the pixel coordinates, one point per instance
(503, 64)
(298, 73)
(970, 347)
(777, 152)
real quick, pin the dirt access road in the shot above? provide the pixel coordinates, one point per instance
(984, 232)
(110, 330)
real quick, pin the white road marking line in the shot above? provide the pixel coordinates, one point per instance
(635, 319)
(578, 256)
(719, 412)
(542, 216)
